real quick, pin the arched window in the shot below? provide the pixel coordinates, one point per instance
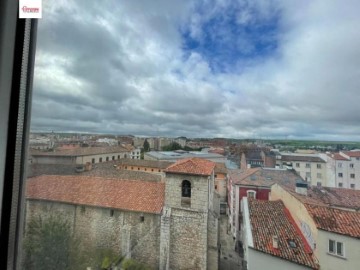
(186, 189)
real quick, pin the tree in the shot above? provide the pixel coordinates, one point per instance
(172, 147)
(146, 146)
(49, 245)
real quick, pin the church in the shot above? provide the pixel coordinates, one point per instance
(167, 223)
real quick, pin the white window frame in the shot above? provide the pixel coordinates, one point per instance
(253, 192)
(335, 248)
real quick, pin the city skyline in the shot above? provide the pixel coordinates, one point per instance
(233, 69)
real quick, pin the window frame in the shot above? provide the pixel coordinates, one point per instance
(335, 245)
(17, 57)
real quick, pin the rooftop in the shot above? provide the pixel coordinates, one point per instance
(80, 151)
(271, 218)
(335, 220)
(220, 168)
(104, 169)
(326, 196)
(352, 153)
(301, 158)
(175, 155)
(140, 196)
(264, 177)
(194, 166)
(337, 156)
(146, 163)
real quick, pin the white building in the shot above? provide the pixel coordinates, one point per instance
(344, 169)
(135, 153)
(310, 167)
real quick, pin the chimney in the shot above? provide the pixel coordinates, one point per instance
(88, 166)
(275, 241)
(301, 188)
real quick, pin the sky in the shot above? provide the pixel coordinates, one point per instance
(273, 69)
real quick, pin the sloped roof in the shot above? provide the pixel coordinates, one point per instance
(327, 196)
(302, 158)
(145, 163)
(81, 151)
(335, 220)
(352, 153)
(271, 218)
(337, 156)
(264, 177)
(112, 193)
(195, 166)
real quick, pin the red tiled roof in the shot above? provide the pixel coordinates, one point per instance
(128, 195)
(196, 166)
(352, 153)
(337, 156)
(270, 218)
(326, 196)
(335, 220)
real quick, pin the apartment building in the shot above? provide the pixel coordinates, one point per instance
(312, 168)
(344, 169)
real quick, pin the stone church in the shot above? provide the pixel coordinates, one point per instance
(167, 224)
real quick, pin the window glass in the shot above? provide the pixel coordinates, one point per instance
(331, 246)
(339, 249)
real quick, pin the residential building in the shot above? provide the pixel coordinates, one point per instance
(135, 153)
(312, 168)
(325, 214)
(150, 166)
(344, 169)
(271, 239)
(255, 183)
(80, 155)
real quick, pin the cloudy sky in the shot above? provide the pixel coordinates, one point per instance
(212, 68)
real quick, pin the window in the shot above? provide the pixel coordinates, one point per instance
(113, 157)
(152, 170)
(216, 187)
(138, 169)
(93, 160)
(351, 165)
(125, 167)
(352, 175)
(318, 184)
(318, 166)
(358, 158)
(107, 158)
(307, 165)
(352, 186)
(215, 175)
(336, 248)
(100, 159)
(118, 156)
(340, 185)
(339, 165)
(340, 175)
(318, 175)
(111, 212)
(308, 175)
(186, 189)
(251, 194)
(297, 165)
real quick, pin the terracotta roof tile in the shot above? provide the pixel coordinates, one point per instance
(335, 220)
(326, 196)
(196, 166)
(271, 218)
(352, 153)
(337, 156)
(96, 191)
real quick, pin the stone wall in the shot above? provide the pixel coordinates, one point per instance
(120, 231)
(213, 242)
(199, 191)
(188, 240)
